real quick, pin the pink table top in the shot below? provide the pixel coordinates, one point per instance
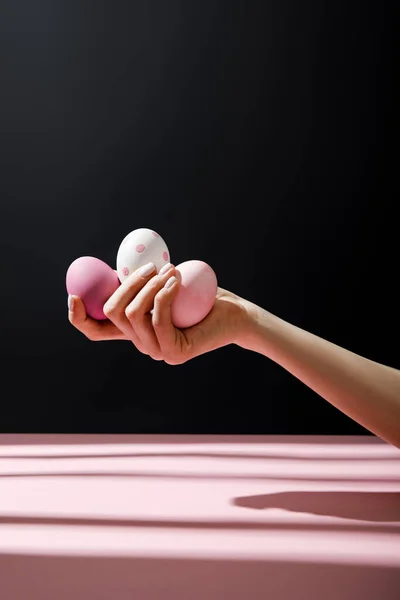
(199, 517)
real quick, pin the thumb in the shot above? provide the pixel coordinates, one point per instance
(76, 310)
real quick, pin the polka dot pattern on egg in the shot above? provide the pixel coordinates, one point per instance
(138, 248)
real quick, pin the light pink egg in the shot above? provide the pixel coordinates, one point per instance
(197, 293)
(94, 281)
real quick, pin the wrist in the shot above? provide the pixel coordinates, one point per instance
(261, 331)
(253, 323)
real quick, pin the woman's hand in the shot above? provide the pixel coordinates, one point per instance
(140, 311)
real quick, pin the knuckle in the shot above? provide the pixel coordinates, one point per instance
(92, 337)
(173, 360)
(160, 298)
(140, 349)
(157, 323)
(155, 282)
(170, 362)
(93, 334)
(109, 309)
(131, 312)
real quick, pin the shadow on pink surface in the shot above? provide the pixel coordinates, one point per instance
(225, 525)
(360, 506)
(200, 476)
(97, 578)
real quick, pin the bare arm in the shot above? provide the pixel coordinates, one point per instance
(366, 391)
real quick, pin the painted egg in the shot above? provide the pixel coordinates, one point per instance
(94, 281)
(196, 295)
(138, 248)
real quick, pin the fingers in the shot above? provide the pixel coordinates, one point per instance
(116, 306)
(138, 312)
(170, 340)
(94, 330)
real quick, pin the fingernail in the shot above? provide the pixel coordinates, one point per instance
(170, 282)
(146, 270)
(164, 269)
(71, 303)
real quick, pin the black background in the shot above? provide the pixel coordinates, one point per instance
(252, 135)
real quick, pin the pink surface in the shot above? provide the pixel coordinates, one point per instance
(199, 518)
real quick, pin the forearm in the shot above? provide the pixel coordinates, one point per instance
(366, 391)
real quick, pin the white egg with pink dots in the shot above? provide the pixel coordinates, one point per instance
(138, 248)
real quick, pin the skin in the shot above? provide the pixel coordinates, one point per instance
(140, 312)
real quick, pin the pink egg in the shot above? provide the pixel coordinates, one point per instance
(197, 293)
(94, 281)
